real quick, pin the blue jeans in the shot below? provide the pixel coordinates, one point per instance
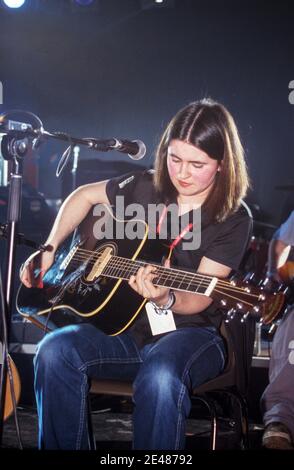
(163, 372)
(277, 401)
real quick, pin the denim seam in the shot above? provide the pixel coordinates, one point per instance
(179, 423)
(82, 413)
(221, 353)
(134, 344)
(183, 387)
(84, 366)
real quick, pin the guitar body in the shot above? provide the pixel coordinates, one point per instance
(286, 272)
(8, 408)
(78, 293)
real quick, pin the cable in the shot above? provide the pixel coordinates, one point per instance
(65, 156)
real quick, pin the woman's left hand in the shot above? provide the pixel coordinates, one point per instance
(143, 285)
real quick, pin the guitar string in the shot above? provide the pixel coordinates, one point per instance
(198, 286)
(163, 273)
(216, 290)
(236, 298)
(125, 263)
(160, 268)
(120, 260)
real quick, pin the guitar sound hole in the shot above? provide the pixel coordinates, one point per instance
(99, 263)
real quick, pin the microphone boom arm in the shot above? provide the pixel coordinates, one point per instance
(135, 149)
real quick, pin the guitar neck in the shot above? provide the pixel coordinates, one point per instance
(226, 293)
(123, 268)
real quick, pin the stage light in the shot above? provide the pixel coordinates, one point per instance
(149, 4)
(14, 3)
(85, 6)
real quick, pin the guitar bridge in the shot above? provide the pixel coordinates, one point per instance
(99, 264)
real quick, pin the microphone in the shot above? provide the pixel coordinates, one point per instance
(14, 127)
(135, 149)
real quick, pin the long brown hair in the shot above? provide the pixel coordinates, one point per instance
(209, 126)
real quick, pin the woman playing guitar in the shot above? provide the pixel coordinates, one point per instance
(173, 344)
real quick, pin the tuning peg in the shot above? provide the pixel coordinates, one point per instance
(265, 282)
(273, 329)
(284, 289)
(235, 276)
(250, 278)
(269, 285)
(244, 317)
(256, 309)
(261, 297)
(230, 315)
(262, 283)
(223, 302)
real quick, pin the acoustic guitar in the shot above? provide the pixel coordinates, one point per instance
(286, 272)
(8, 408)
(86, 283)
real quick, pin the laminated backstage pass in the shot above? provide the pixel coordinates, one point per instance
(160, 323)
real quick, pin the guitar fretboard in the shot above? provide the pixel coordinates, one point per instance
(123, 268)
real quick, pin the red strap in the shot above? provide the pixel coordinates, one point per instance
(180, 236)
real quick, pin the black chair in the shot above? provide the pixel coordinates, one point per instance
(232, 383)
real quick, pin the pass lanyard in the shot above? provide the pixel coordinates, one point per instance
(180, 236)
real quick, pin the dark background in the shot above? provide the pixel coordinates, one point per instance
(122, 68)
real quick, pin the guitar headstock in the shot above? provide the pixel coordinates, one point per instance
(244, 299)
(271, 306)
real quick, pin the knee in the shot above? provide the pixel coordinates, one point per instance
(52, 349)
(157, 378)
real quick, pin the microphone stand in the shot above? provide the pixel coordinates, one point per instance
(13, 216)
(76, 152)
(14, 146)
(15, 151)
(101, 145)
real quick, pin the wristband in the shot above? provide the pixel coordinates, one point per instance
(163, 308)
(170, 301)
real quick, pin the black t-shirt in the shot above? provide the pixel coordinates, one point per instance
(223, 242)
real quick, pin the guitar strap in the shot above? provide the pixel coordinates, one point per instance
(177, 240)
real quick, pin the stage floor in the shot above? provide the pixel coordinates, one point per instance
(113, 431)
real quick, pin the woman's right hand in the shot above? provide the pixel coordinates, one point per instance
(41, 260)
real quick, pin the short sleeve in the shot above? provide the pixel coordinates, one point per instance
(232, 240)
(286, 232)
(134, 187)
(121, 186)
